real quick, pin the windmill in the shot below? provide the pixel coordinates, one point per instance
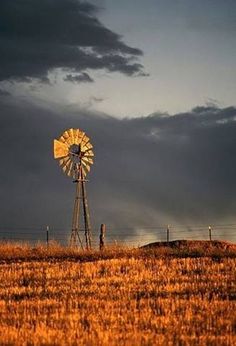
(74, 152)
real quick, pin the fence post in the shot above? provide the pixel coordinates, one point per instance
(47, 235)
(102, 236)
(168, 234)
(209, 229)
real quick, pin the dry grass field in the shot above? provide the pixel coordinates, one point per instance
(119, 297)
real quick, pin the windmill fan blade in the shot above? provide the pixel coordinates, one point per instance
(84, 172)
(69, 135)
(70, 169)
(85, 140)
(87, 160)
(76, 133)
(89, 153)
(66, 166)
(60, 149)
(66, 137)
(86, 147)
(64, 161)
(80, 136)
(66, 134)
(62, 139)
(72, 138)
(86, 166)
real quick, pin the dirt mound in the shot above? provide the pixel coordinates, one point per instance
(194, 244)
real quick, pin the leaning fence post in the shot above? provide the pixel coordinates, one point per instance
(47, 235)
(168, 234)
(102, 236)
(209, 229)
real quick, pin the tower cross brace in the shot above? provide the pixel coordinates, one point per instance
(81, 217)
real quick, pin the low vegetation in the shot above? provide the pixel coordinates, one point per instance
(151, 296)
(180, 248)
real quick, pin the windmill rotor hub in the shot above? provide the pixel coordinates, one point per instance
(75, 153)
(75, 149)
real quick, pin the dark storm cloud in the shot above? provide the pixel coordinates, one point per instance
(80, 78)
(148, 171)
(39, 36)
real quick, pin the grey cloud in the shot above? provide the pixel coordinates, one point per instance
(86, 105)
(80, 78)
(39, 36)
(96, 99)
(4, 92)
(92, 101)
(148, 171)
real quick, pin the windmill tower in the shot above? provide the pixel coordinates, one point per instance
(74, 152)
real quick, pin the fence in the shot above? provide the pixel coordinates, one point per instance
(131, 236)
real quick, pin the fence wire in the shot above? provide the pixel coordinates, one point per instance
(132, 236)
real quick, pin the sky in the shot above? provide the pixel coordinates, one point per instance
(187, 49)
(153, 85)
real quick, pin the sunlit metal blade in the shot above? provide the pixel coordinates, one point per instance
(89, 153)
(70, 169)
(80, 136)
(86, 147)
(69, 137)
(66, 135)
(76, 132)
(62, 139)
(87, 160)
(84, 172)
(60, 149)
(85, 140)
(86, 166)
(71, 132)
(64, 161)
(66, 166)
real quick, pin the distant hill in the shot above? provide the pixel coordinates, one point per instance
(204, 245)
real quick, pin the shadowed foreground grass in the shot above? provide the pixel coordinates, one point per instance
(123, 296)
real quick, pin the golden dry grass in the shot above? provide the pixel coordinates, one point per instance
(135, 297)
(182, 248)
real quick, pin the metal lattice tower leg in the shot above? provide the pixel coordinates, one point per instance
(81, 213)
(87, 224)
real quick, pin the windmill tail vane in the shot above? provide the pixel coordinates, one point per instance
(74, 153)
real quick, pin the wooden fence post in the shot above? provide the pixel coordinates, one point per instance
(47, 235)
(209, 229)
(168, 234)
(102, 236)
